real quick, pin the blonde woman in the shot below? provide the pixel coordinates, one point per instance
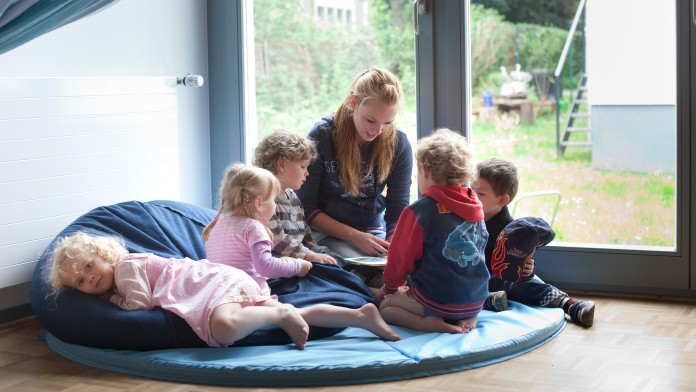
(361, 179)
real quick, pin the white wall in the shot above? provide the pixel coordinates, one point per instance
(631, 52)
(133, 38)
(136, 38)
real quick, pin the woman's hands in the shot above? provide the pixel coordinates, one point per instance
(369, 243)
(366, 242)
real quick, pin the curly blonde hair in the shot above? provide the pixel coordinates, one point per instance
(283, 145)
(71, 248)
(240, 185)
(372, 85)
(446, 155)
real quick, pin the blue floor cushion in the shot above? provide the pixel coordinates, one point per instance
(158, 344)
(353, 356)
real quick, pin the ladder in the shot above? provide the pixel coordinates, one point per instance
(580, 110)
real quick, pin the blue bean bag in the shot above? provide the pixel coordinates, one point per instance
(168, 229)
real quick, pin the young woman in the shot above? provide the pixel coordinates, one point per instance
(361, 179)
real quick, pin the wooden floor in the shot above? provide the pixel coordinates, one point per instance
(635, 345)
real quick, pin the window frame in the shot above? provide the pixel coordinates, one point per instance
(443, 89)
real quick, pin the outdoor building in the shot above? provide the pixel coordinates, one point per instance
(631, 89)
(350, 13)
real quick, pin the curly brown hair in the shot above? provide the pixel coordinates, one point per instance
(282, 145)
(446, 155)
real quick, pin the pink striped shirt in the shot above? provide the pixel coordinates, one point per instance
(244, 243)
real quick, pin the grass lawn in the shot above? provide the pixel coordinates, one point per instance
(597, 206)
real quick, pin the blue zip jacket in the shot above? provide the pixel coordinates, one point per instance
(323, 192)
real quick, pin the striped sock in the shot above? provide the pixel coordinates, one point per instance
(565, 304)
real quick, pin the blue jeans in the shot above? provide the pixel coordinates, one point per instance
(529, 291)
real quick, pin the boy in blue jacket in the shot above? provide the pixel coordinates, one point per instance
(439, 245)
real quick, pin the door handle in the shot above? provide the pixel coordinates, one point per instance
(419, 8)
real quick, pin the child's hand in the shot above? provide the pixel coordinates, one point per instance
(305, 266)
(107, 296)
(320, 257)
(528, 268)
(378, 293)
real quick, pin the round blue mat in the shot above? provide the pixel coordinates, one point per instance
(353, 356)
(158, 344)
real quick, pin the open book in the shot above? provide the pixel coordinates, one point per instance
(374, 261)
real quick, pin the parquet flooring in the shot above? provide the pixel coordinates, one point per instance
(635, 345)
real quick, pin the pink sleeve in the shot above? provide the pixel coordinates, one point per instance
(132, 287)
(272, 267)
(405, 249)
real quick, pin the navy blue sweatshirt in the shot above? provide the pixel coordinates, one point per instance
(323, 191)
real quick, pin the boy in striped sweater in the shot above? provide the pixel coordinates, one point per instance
(287, 155)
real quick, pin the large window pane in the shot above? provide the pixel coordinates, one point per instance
(617, 172)
(307, 53)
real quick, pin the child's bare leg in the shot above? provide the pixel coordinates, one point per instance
(292, 322)
(231, 322)
(401, 309)
(367, 317)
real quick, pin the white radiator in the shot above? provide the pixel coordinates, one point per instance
(68, 145)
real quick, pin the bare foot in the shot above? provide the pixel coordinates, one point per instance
(294, 325)
(371, 320)
(437, 324)
(467, 325)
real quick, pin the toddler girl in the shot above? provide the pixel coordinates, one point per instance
(238, 237)
(222, 304)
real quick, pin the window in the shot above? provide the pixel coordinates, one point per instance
(615, 165)
(303, 69)
(443, 95)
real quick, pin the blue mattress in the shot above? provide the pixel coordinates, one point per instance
(158, 344)
(352, 356)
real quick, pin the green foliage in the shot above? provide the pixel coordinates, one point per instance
(614, 187)
(492, 41)
(597, 206)
(541, 47)
(396, 42)
(304, 69)
(541, 12)
(496, 42)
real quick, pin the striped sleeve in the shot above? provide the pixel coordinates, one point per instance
(288, 227)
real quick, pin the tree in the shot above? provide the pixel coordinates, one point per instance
(492, 41)
(556, 13)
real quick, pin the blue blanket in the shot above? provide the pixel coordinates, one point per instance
(168, 229)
